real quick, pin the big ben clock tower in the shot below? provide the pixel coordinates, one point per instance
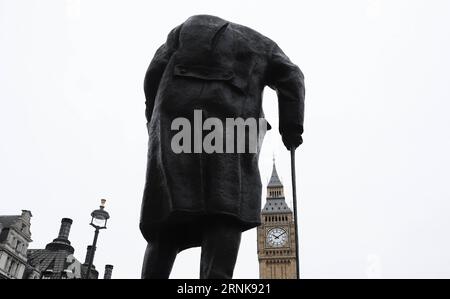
(276, 235)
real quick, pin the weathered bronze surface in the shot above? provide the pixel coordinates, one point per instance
(220, 68)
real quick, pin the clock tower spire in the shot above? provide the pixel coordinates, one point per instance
(276, 235)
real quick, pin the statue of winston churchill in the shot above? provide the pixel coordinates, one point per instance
(217, 69)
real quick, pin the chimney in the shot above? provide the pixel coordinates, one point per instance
(64, 230)
(62, 242)
(108, 271)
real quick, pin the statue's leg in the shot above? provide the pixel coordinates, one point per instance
(159, 258)
(220, 246)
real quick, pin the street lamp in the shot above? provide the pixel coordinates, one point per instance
(99, 219)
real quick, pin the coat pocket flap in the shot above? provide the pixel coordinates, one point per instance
(203, 72)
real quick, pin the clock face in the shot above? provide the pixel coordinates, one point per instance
(277, 237)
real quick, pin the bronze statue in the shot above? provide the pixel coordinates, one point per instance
(205, 199)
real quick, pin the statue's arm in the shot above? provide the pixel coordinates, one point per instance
(156, 70)
(287, 80)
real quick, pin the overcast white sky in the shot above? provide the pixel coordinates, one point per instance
(373, 173)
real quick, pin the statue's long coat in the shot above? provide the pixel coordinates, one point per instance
(220, 68)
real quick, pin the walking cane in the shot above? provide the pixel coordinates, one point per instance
(294, 200)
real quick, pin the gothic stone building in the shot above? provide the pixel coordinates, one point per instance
(15, 236)
(276, 235)
(55, 261)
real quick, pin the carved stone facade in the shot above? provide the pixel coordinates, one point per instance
(15, 237)
(276, 235)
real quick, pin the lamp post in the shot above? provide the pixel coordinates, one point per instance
(99, 219)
